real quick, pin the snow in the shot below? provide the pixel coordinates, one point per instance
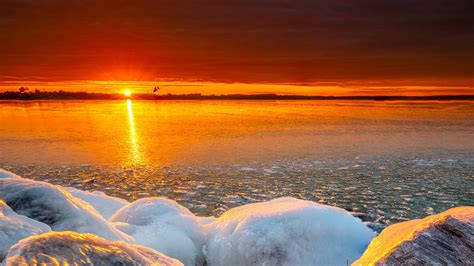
(286, 231)
(165, 226)
(104, 204)
(7, 174)
(56, 207)
(70, 248)
(14, 227)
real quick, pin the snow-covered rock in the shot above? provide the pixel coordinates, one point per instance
(104, 204)
(7, 174)
(442, 239)
(70, 248)
(286, 231)
(56, 207)
(14, 227)
(165, 226)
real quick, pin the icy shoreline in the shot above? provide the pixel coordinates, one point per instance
(47, 223)
(284, 230)
(380, 192)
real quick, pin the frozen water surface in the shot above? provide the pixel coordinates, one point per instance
(380, 192)
(385, 162)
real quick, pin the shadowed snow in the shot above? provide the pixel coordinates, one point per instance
(14, 227)
(55, 207)
(7, 174)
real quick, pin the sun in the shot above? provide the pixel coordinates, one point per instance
(127, 93)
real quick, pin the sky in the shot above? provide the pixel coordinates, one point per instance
(313, 47)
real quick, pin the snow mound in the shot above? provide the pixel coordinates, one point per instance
(165, 226)
(14, 227)
(55, 207)
(104, 204)
(70, 248)
(7, 174)
(286, 231)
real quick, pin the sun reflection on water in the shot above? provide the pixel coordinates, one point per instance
(135, 153)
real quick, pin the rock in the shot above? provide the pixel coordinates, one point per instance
(442, 239)
(70, 248)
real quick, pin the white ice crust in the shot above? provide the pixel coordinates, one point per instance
(104, 204)
(165, 226)
(286, 231)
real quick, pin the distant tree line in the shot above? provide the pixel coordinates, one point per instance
(25, 93)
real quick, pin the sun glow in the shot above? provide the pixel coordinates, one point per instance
(127, 93)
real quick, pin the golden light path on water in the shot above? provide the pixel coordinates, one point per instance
(135, 153)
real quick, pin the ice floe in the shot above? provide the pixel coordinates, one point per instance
(70, 248)
(286, 231)
(165, 226)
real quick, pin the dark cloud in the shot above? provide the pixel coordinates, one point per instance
(243, 41)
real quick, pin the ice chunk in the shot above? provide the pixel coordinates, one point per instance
(286, 231)
(70, 248)
(14, 227)
(165, 226)
(104, 204)
(56, 207)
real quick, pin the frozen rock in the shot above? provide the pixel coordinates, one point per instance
(70, 248)
(443, 239)
(56, 207)
(165, 226)
(14, 227)
(104, 204)
(7, 174)
(286, 231)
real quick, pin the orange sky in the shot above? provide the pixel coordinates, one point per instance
(309, 47)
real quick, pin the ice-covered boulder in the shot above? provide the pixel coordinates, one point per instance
(104, 204)
(7, 174)
(56, 207)
(442, 239)
(14, 227)
(165, 226)
(70, 248)
(286, 231)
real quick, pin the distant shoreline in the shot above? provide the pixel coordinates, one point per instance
(63, 95)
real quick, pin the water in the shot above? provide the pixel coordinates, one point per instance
(384, 161)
